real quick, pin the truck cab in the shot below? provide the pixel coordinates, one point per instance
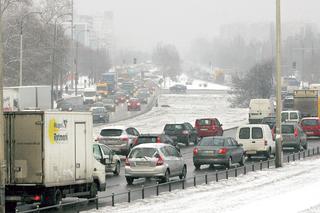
(89, 96)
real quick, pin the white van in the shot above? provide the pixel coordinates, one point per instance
(260, 108)
(291, 116)
(256, 140)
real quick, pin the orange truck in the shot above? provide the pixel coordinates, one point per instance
(102, 89)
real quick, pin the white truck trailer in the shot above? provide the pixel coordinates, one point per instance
(49, 157)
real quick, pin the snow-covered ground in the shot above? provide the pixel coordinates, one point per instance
(174, 108)
(196, 84)
(292, 189)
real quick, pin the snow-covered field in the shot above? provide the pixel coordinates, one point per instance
(174, 108)
(292, 189)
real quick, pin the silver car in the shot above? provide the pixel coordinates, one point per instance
(161, 161)
(120, 139)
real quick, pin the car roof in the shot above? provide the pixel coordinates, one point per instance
(310, 118)
(254, 125)
(115, 127)
(96, 107)
(218, 137)
(206, 119)
(150, 135)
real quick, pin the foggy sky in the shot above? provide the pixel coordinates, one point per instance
(140, 24)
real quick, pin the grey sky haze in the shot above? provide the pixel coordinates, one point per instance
(140, 24)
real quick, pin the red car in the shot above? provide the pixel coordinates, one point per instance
(134, 104)
(311, 126)
(208, 127)
(120, 98)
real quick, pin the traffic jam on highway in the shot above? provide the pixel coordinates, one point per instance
(122, 158)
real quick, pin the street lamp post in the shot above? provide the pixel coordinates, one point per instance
(279, 153)
(21, 43)
(53, 56)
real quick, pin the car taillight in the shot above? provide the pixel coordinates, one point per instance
(129, 104)
(266, 143)
(138, 104)
(160, 161)
(127, 162)
(223, 151)
(124, 139)
(158, 140)
(37, 198)
(135, 141)
(295, 132)
(185, 132)
(195, 151)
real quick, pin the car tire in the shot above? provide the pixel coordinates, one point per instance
(183, 173)
(242, 160)
(129, 180)
(299, 148)
(197, 166)
(229, 163)
(117, 169)
(268, 154)
(305, 147)
(166, 177)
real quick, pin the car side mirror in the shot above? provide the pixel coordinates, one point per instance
(157, 155)
(240, 145)
(103, 161)
(221, 124)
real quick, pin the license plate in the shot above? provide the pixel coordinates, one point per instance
(251, 152)
(142, 163)
(203, 129)
(309, 133)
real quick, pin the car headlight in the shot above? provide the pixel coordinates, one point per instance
(70, 109)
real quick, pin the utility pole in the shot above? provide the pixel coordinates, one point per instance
(72, 45)
(279, 153)
(2, 158)
(53, 63)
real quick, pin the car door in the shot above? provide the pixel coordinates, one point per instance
(171, 160)
(238, 151)
(219, 127)
(131, 135)
(193, 131)
(176, 162)
(107, 154)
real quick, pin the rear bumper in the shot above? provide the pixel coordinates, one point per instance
(208, 133)
(158, 171)
(179, 138)
(210, 160)
(312, 133)
(256, 152)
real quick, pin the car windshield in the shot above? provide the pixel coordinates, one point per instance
(89, 94)
(173, 127)
(204, 122)
(208, 141)
(244, 133)
(111, 132)
(143, 152)
(310, 122)
(284, 116)
(287, 129)
(98, 110)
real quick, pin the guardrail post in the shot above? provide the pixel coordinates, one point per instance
(308, 152)
(288, 158)
(236, 172)
(313, 151)
(194, 181)
(183, 184)
(260, 165)
(142, 192)
(129, 196)
(169, 186)
(38, 207)
(245, 170)
(157, 189)
(227, 174)
(206, 178)
(304, 154)
(217, 177)
(299, 155)
(60, 206)
(268, 164)
(112, 199)
(252, 167)
(294, 157)
(317, 150)
(97, 202)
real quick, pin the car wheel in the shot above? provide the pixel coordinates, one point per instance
(242, 160)
(166, 177)
(229, 163)
(268, 154)
(117, 169)
(299, 148)
(129, 180)
(305, 147)
(183, 173)
(197, 166)
(188, 141)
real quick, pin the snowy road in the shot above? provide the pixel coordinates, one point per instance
(293, 189)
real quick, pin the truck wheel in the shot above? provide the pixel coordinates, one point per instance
(93, 190)
(57, 197)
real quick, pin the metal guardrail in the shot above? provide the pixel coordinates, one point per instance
(215, 176)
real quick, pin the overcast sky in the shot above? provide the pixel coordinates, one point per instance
(142, 23)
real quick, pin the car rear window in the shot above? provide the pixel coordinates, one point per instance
(147, 140)
(111, 132)
(204, 122)
(257, 133)
(293, 115)
(173, 127)
(207, 141)
(284, 116)
(287, 129)
(244, 133)
(310, 122)
(143, 152)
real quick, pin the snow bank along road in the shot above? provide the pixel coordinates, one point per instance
(293, 189)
